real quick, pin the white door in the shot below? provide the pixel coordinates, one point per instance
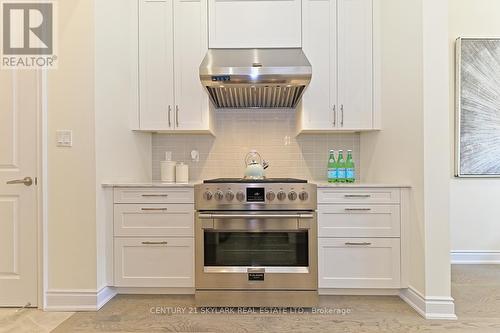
(319, 24)
(355, 63)
(190, 47)
(19, 107)
(156, 77)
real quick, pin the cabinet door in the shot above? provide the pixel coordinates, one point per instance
(190, 47)
(254, 23)
(359, 262)
(154, 220)
(319, 24)
(355, 64)
(154, 262)
(156, 77)
(359, 221)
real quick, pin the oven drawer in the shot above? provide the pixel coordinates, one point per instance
(353, 195)
(154, 195)
(154, 262)
(154, 220)
(359, 221)
(359, 262)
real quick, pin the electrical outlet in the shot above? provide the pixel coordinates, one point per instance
(64, 138)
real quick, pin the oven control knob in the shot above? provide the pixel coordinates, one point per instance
(207, 195)
(229, 196)
(270, 196)
(281, 195)
(292, 196)
(218, 195)
(240, 196)
(303, 196)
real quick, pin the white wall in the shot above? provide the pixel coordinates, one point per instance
(395, 155)
(474, 207)
(92, 93)
(413, 146)
(121, 154)
(71, 171)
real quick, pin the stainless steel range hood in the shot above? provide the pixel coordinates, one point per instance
(255, 78)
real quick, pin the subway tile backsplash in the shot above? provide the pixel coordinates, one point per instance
(271, 133)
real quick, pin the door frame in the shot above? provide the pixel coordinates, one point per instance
(41, 186)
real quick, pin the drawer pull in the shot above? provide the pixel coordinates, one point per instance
(358, 209)
(362, 244)
(154, 209)
(155, 195)
(155, 243)
(357, 196)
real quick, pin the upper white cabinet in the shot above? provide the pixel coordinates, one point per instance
(338, 41)
(172, 44)
(254, 23)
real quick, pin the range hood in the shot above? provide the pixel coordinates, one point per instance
(255, 78)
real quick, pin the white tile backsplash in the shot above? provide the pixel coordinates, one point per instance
(271, 133)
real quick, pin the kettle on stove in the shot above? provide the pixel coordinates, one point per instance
(255, 166)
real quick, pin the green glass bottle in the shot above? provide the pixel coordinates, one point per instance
(332, 168)
(341, 176)
(350, 174)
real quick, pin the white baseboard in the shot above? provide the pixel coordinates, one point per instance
(154, 291)
(429, 307)
(358, 292)
(77, 299)
(475, 257)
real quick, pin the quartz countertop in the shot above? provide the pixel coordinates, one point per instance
(325, 184)
(149, 184)
(320, 184)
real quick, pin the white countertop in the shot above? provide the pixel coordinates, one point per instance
(325, 184)
(148, 184)
(320, 184)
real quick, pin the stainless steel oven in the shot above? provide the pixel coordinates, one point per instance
(256, 244)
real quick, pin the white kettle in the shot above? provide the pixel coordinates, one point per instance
(255, 166)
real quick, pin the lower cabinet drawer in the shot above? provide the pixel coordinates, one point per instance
(154, 262)
(359, 221)
(154, 220)
(359, 262)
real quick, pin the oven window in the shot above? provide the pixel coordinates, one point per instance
(256, 249)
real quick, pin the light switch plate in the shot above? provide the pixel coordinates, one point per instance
(64, 138)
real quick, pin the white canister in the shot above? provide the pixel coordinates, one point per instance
(182, 173)
(168, 171)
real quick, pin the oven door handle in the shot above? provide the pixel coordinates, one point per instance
(255, 216)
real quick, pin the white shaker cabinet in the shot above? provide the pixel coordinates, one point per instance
(355, 64)
(338, 41)
(254, 23)
(172, 44)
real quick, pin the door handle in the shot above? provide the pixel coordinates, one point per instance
(177, 115)
(155, 243)
(358, 244)
(342, 115)
(28, 181)
(169, 110)
(334, 116)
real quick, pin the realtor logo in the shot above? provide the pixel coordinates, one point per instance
(28, 35)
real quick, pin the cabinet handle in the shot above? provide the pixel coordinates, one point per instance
(169, 110)
(358, 209)
(155, 243)
(362, 243)
(177, 115)
(342, 115)
(155, 195)
(334, 116)
(357, 196)
(154, 209)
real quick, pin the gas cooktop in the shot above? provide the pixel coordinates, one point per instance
(245, 180)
